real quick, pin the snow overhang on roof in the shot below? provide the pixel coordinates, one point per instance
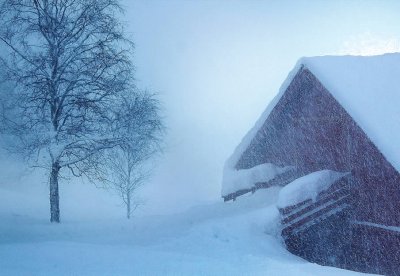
(368, 88)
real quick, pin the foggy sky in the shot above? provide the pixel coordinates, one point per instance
(217, 64)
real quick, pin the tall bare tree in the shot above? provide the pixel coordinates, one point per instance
(70, 63)
(127, 165)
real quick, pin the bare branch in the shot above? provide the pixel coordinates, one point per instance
(70, 65)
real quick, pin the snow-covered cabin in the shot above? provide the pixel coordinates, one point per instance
(331, 137)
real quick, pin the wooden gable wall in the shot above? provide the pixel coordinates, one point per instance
(309, 129)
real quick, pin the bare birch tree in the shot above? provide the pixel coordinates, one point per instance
(128, 167)
(70, 63)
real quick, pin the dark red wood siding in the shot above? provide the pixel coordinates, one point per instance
(309, 129)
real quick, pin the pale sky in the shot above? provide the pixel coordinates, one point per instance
(217, 64)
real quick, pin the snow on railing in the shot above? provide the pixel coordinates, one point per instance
(235, 180)
(307, 187)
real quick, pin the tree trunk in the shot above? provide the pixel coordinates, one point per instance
(54, 196)
(128, 206)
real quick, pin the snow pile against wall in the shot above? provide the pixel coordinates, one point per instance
(307, 187)
(213, 239)
(235, 180)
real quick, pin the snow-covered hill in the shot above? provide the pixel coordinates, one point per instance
(236, 238)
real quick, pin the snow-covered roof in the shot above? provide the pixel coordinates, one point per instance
(368, 87)
(307, 187)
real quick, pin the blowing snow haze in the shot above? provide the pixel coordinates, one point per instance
(217, 64)
(309, 190)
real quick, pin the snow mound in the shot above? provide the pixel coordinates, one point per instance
(307, 187)
(235, 180)
(234, 238)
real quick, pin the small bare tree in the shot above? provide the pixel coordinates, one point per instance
(128, 167)
(70, 63)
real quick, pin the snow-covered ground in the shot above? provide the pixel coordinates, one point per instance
(235, 238)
